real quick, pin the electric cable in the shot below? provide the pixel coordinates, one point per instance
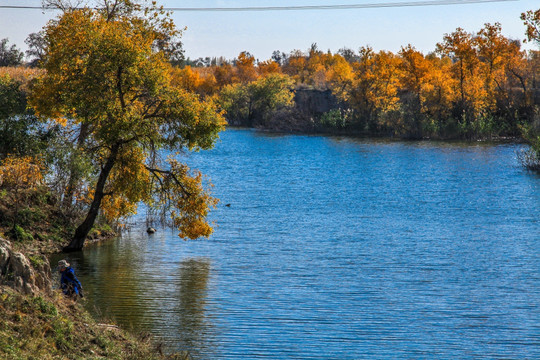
(309, 7)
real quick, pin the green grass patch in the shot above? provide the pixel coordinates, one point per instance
(20, 234)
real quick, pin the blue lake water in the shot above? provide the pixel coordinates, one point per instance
(339, 248)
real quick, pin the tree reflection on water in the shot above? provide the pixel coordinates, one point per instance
(190, 311)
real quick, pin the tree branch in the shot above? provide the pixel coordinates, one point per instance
(119, 87)
(170, 174)
(154, 114)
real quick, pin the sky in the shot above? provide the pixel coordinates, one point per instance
(213, 33)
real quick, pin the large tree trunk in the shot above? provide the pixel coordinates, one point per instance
(74, 176)
(82, 231)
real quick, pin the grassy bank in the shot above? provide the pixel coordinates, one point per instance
(53, 327)
(42, 323)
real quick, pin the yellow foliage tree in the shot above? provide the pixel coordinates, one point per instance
(461, 47)
(186, 78)
(439, 92)
(268, 67)
(296, 66)
(21, 173)
(373, 91)
(245, 68)
(531, 19)
(500, 57)
(104, 70)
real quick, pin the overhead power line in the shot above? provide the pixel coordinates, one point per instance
(310, 7)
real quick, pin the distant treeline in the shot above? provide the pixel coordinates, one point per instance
(474, 85)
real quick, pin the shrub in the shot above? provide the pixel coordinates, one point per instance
(19, 234)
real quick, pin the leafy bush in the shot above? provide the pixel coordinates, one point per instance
(335, 118)
(19, 234)
(36, 261)
(28, 216)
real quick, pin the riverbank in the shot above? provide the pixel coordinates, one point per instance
(38, 321)
(309, 131)
(39, 326)
(320, 112)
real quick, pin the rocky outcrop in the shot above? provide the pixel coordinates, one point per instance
(309, 106)
(23, 275)
(314, 103)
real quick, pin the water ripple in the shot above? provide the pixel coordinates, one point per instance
(336, 248)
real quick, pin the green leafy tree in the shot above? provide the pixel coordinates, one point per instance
(20, 131)
(256, 102)
(36, 48)
(105, 73)
(10, 55)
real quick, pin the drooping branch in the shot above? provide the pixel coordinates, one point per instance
(169, 174)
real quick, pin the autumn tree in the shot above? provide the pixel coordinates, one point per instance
(373, 91)
(106, 72)
(186, 78)
(339, 75)
(208, 85)
(439, 96)
(415, 76)
(245, 68)
(268, 67)
(493, 50)
(531, 19)
(295, 66)
(461, 47)
(223, 74)
(20, 176)
(504, 65)
(325, 70)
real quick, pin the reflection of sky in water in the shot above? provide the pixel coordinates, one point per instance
(339, 248)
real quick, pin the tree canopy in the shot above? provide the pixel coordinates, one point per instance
(108, 75)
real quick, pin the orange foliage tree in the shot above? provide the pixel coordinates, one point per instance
(373, 91)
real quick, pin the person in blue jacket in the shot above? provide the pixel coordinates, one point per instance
(70, 285)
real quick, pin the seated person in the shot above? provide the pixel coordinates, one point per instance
(70, 285)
